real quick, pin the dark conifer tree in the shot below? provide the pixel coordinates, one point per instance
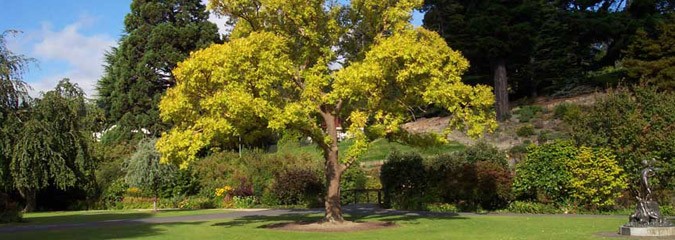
(158, 35)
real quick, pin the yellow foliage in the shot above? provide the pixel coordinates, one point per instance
(279, 70)
(597, 180)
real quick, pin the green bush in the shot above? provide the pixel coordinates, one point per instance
(477, 177)
(543, 175)
(546, 136)
(114, 193)
(442, 207)
(9, 210)
(493, 185)
(251, 174)
(244, 202)
(482, 151)
(597, 181)
(566, 111)
(527, 113)
(195, 202)
(298, 186)
(353, 178)
(560, 172)
(404, 181)
(525, 130)
(636, 125)
(532, 207)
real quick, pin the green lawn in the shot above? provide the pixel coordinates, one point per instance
(409, 227)
(102, 215)
(379, 149)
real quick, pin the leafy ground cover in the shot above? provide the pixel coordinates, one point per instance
(409, 227)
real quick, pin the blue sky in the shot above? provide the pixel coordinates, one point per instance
(68, 38)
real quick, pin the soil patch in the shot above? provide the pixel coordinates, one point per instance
(330, 227)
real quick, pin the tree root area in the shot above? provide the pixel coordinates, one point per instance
(345, 226)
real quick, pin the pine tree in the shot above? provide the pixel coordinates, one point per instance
(158, 34)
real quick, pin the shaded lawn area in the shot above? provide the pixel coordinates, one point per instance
(379, 149)
(39, 218)
(409, 227)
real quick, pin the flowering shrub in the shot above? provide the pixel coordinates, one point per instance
(220, 192)
(133, 192)
(244, 202)
(196, 203)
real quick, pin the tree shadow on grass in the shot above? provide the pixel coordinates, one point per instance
(262, 221)
(122, 231)
(82, 217)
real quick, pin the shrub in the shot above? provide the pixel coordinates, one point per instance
(244, 202)
(543, 175)
(442, 207)
(597, 180)
(9, 210)
(636, 125)
(251, 174)
(566, 111)
(114, 193)
(560, 172)
(546, 136)
(298, 186)
(404, 182)
(532, 207)
(451, 177)
(525, 130)
(526, 113)
(353, 178)
(477, 177)
(493, 185)
(482, 151)
(194, 202)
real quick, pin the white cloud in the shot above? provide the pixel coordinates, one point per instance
(84, 55)
(219, 21)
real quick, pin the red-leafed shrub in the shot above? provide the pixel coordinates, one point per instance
(298, 187)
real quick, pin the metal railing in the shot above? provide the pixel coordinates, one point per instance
(355, 196)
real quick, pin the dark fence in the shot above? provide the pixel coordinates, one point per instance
(354, 196)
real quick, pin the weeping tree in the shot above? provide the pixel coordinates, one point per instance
(313, 66)
(143, 170)
(53, 145)
(13, 96)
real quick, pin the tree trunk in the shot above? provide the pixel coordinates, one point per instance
(501, 90)
(30, 196)
(154, 204)
(333, 174)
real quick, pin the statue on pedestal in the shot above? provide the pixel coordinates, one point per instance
(647, 213)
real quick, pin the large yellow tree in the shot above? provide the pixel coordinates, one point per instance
(304, 64)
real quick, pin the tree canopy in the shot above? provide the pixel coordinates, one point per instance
(651, 59)
(308, 65)
(158, 34)
(143, 169)
(13, 97)
(53, 145)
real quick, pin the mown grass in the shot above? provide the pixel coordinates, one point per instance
(39, 218)
(409, 227)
